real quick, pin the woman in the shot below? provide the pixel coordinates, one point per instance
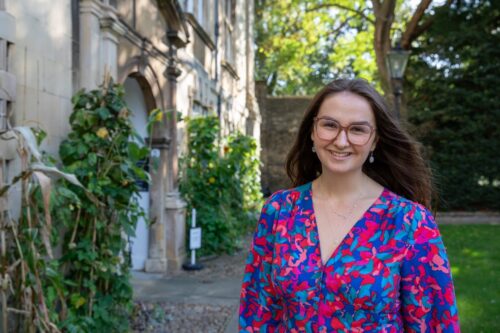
(352, 248)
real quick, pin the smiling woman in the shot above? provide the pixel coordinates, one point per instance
(353, 247)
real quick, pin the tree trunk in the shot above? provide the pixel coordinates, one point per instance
(384, 17)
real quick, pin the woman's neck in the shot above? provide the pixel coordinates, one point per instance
(343, 187)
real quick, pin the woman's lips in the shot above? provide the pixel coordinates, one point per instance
(340, 156)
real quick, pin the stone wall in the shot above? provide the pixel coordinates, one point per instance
(281, 117)
(42, 66)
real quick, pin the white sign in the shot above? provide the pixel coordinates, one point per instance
(155, 152)
(194, 238)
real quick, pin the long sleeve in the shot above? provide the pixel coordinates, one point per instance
(427, 293)
(260, 309)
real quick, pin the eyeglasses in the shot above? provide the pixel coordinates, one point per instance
(329, 129)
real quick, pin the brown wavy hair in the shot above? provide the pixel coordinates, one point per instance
(398, 164)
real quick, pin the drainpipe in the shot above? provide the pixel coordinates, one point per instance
(217, 62)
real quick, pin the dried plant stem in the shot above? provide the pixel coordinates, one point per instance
(94, 237)
(75, 228)
(23, 312)
(3, 272)
(3, 276)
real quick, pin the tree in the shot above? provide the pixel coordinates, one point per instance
(302, 44)
(453, 88)
(300, 48)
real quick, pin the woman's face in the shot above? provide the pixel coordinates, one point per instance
(348, 151)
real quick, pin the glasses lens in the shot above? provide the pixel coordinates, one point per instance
(327, 129)
(359, 134)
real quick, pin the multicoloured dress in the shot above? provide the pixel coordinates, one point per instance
(389, 274)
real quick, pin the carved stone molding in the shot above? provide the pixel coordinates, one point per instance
(159, 143)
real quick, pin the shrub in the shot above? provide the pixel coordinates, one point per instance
(222, 184)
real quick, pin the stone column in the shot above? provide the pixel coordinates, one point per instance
(175, 207)
(110, 32)
(157, 255)
(100, 29)
(90, 35)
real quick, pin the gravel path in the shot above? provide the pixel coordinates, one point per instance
(174, 316)
(180, 318)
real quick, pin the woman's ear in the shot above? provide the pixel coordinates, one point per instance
(374, 144)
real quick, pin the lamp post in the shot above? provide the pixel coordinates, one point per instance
(396, 60)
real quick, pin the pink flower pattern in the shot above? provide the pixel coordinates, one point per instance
(389, 274)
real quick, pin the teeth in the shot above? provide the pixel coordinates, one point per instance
(340, 154)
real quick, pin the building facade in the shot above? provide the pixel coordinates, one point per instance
(195, 57)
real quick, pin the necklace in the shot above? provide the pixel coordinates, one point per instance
(348, 214)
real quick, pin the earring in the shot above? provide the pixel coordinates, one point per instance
(371, 159)
(313, 149)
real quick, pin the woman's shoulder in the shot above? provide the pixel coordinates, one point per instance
(290, 195)
(402, 205)
(410, 215)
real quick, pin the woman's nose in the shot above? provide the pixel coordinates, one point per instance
(341, 139)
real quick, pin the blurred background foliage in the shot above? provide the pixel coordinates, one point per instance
(301, 45)
(453, 85)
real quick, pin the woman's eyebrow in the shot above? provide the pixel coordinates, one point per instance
(362, 122)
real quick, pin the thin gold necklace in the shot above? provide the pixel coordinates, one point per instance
(350, 211)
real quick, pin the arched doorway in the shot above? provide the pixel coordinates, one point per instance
(135, 99)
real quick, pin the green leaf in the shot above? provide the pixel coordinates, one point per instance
(103, 113)
(77, 300)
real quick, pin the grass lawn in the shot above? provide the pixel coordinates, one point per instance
(474, 253)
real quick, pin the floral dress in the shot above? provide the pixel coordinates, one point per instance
(389, 274)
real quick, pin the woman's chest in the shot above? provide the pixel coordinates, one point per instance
(361, 273)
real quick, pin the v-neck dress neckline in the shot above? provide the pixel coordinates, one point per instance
(348, 235)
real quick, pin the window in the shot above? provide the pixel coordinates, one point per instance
(112, 3)
(229, 21)
(199, 48)
(229, 52)
(187, 5)
(5, 65)
(199, 110)
(200, 13)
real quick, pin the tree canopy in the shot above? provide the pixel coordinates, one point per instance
(303, 44)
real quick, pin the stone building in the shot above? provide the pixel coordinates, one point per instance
(193, 56)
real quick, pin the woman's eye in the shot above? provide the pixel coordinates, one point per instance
(330, 124)
(360, 129)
